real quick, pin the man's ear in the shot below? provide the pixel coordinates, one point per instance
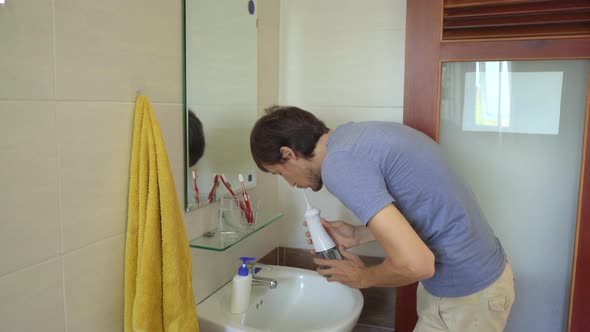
(287, 153)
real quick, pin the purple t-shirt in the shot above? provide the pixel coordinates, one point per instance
(371, 164)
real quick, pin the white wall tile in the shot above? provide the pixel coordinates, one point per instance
(342, 60)
(26, 36)
(344, 14)
(30, 230)
(95, 153)
(342, 52)
(336, 67)
(334, 116)
(105, 50)
(32, 299)
(94, 286)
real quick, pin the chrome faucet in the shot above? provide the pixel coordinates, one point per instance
(257, 280)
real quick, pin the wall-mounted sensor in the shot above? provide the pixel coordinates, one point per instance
(250, 7)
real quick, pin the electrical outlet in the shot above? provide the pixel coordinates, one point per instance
(250, 179)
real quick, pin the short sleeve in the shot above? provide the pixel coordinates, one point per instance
(357, 182)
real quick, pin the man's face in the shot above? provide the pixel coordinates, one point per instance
(298, 173)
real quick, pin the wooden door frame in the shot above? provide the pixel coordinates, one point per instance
(425, 53)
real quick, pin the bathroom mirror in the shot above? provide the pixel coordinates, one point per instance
(221, 92)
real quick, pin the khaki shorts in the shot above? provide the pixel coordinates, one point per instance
(486, 310)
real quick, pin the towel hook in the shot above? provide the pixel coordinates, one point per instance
(139, 92)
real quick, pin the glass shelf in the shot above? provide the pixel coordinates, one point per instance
(213, 240)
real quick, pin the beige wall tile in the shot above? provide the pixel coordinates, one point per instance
(32, 299)
(105, 50)
(26, 37)
(94, 286)
(95, 165)
(95, 152)
(30, 230)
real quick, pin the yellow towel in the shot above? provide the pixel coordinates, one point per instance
(158, 273)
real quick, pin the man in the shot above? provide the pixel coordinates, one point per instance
(396, 181)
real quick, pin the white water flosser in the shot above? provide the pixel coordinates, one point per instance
(322, 242)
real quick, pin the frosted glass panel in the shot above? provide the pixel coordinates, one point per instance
(518, 145)
(497, 99)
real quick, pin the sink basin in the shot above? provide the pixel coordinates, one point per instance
(303, 301)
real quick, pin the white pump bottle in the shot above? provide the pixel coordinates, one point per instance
(323, 244)
(240, 290)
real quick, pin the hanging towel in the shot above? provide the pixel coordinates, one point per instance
(158, 269)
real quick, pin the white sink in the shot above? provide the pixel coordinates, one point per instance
(302, 302)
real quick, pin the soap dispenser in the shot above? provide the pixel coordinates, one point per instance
(241, 284)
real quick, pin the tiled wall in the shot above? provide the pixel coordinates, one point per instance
(343, 60)
(69, 71)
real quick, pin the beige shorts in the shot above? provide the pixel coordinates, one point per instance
(486, 310)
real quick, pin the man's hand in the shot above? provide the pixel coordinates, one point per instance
(408, 259)
(349, 271)
(341, 232)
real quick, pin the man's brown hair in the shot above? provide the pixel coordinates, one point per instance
(284, 126)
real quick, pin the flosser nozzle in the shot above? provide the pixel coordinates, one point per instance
(306, 201)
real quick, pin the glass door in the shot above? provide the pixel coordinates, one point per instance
(514, 130)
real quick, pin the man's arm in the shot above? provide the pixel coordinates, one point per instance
(408, 258)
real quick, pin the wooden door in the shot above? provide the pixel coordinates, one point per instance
(469, 30)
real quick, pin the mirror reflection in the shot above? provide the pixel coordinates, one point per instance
(196, 139)
(220, 95)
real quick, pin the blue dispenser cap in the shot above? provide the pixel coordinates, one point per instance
(243, 270)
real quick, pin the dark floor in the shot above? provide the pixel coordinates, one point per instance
(378, 312)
